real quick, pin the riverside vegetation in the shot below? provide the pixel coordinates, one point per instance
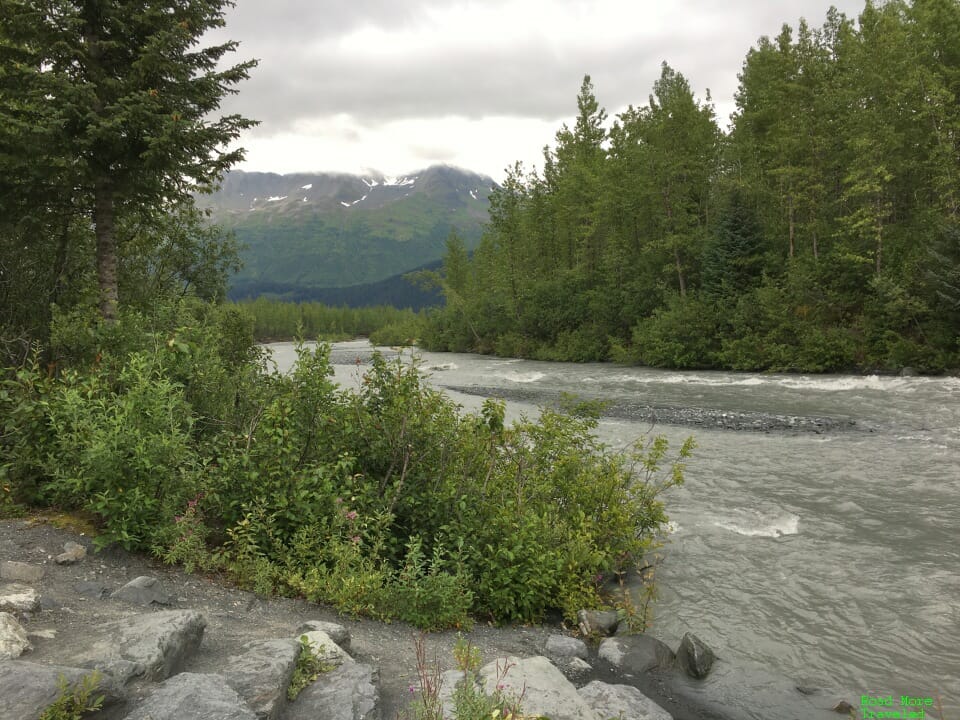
(821, 233)
(386, 502)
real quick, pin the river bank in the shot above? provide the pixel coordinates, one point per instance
(75, 600)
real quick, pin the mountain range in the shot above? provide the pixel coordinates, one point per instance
(329, 235)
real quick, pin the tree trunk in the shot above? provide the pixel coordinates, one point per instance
(683, 282)
(792, 224)
(106, 250)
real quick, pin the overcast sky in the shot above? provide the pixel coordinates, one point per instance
(397, 85)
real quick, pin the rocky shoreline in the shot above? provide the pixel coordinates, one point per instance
(173, 645)
(740, 421)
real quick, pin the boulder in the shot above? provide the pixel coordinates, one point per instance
(328, 651)
(694, 656)
(17, 598)
(153, 646)
(27, 689)
(598, 622)
(20, 571)
(144, 590)
(621, 701)
(636, 654)
(92, 590)
(337, 632)
(262, 673)
(13, 638)
(563, 646)
(72, 553)
(544, 689)
(190, 696)
(349, 692)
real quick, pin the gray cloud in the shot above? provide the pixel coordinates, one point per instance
(305, 71)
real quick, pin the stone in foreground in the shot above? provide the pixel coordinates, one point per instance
(563, 646)
(544, 688)
(350, 692)
(598, 622)
(190, 696)
(144, 590)
(326, 649)
(24, 572)
(636, 654)
(153, 646)
(337, 632)
(621, 701)
(17, 598)
(13, 638)
(262, 674)
(694, 656)
(27, 689)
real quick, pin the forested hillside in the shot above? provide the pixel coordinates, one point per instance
(822, 232)
(302, 234)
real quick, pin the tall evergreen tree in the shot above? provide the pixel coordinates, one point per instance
(107, 103)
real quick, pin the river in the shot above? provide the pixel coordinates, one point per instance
(818, 532)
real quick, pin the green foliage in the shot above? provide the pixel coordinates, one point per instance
(683, 335)
(387, 502)
(278, 320)
(309, 667)
(73, 702)
(818, 235)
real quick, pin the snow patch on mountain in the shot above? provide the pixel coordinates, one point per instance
(307, 186)
(276, 198)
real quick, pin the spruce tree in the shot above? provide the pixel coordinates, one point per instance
(106, 109)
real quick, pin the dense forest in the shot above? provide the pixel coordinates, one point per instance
(820, 233)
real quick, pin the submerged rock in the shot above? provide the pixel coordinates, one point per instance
(694, 656)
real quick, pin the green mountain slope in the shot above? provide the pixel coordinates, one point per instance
(309, 231)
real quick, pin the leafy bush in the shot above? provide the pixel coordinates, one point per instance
(387, 502)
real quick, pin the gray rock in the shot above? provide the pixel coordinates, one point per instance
(27, 689)
(621, 701)
(144, 590)
(598, 622)
(350, 692)
(262, 674)
(563, 646)
(636, 654)
(17, 598)
(574, 667)
(328, 651)
(153, 645)
(694, 656)
(544, 689)
(72, 553)
(450, 680)
(908, 371)
(13, 638)
(337, 632)
(92, 590)
(24, 572)
(190, 696)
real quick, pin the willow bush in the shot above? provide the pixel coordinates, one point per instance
(388, 501)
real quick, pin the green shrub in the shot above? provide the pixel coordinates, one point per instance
(386, 502)
(309, 667)
(75, 701)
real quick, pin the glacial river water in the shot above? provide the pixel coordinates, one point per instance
(818, 532)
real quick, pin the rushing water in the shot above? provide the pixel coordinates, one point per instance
(821, 538)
